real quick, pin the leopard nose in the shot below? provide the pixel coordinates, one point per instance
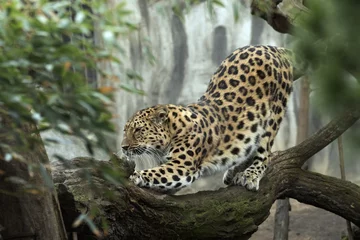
(125, 147)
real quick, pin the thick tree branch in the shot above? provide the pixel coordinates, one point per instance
(329, 193)
(227, 213)
(282, 15)
(299, 154)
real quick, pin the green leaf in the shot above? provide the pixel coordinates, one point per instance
(131, 89)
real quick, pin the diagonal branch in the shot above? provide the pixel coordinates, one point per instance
(329, 193)
(281, 15)
(299, 154)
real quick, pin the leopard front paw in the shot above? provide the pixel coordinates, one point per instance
(249, 179)
(137, 179)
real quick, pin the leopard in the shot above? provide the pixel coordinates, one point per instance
(234, 122)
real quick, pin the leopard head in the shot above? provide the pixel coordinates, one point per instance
(147, 132)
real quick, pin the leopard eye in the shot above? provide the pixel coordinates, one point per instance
(137, 132)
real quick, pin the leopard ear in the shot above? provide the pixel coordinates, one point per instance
(161, 115)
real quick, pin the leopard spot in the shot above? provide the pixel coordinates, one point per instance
(240, 136)
(251, 62)
(222, 72)
(245, 68)
(216, 95)
(261, 150)
(239, 100)
(224, 161)
(250, 116)
(268, 70)
(259, 61)
(190, 153)
(234, 82)
(244, 91)
(252, 80)
(261, 74)
(240, 125)
(198, 150)
(235, 151)
(197, 141)
(254, 128)
(276, 63)
(250, 101)
(229, 96)
(218, 102)
(259, 93)
(222, 84)
(233, 70)
(188, 163)
(188, 178)
(285, 75)
(244, 55)
(232, 58)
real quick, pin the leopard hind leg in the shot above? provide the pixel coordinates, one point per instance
(251, 176)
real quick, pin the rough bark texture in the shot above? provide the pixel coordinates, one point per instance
(230, 213)
(282, 219)
(24, 215)
(281, 15)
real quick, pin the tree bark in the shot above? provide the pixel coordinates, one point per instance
(229, 213)
(282, 218)
(24, 215)
(281, 15)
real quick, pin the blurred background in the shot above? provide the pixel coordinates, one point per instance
(175, 55)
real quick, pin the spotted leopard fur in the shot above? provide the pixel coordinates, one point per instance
(235, 121)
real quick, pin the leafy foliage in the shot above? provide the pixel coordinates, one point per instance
(328, 41)
(47, 49)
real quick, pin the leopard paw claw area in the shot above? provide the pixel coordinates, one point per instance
(249, 180)
(137, 179)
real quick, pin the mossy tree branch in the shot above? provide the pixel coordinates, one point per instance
(228, 213)
(282, 15)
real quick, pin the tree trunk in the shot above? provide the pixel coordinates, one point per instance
(25, 215)
(282, 218)
(229, 213)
